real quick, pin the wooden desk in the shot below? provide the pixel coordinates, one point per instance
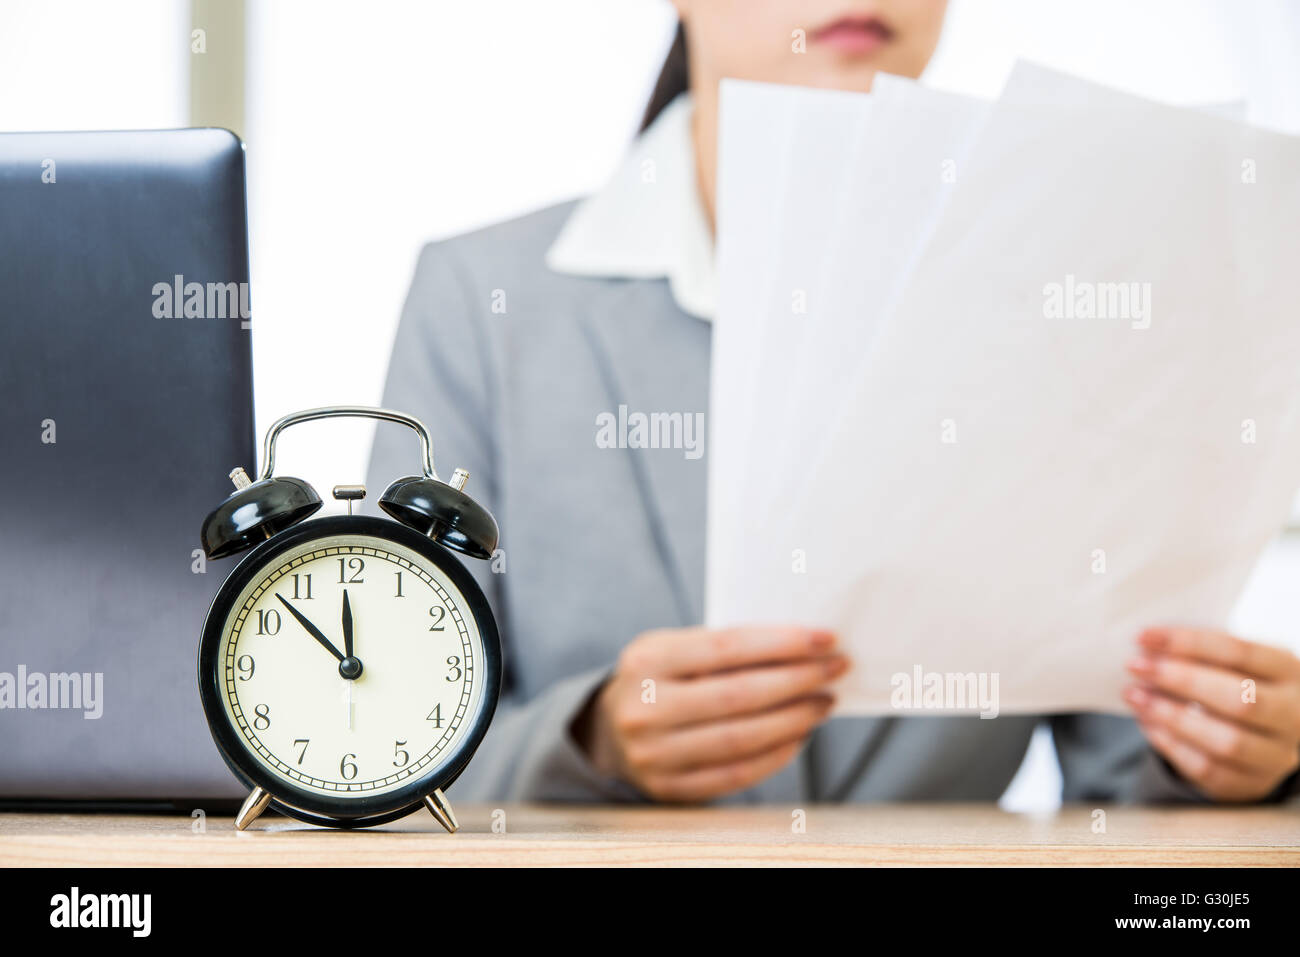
(952, 834)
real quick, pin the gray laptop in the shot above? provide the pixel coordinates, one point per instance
(125, 399)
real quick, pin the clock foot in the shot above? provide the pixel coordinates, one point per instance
(440, 808)
(254, 805)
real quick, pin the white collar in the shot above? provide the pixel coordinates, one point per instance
(648, 221)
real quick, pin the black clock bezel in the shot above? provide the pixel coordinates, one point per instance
(294, 801)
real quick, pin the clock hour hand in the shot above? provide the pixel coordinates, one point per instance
(311, 629)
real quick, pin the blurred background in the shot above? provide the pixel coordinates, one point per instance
(372, 130)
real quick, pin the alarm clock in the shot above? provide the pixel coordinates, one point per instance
(349, 666)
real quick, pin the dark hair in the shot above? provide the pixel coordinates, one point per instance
(674, 79)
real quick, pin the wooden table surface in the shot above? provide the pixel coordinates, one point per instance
(935, 834)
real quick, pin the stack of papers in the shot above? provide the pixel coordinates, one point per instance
(997, 385)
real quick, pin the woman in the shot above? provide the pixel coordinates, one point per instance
(516, 340)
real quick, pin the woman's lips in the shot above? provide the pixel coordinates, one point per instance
(854, 36)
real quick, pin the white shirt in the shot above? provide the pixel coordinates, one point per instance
(648, 222)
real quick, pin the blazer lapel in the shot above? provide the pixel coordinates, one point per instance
(654, 360)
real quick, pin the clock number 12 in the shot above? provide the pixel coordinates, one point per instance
(354, 565)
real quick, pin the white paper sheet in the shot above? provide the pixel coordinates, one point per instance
(1006, 493)
(886, 212)
(762, 200)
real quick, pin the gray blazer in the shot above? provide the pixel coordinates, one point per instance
(509, 364)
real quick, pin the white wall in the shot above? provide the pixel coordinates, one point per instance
(91, 65)
(1177, 51)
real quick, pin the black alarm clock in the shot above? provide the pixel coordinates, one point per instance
(349, 666)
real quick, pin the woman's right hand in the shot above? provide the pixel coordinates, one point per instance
(691, 714)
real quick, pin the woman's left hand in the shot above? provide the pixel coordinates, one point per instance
(1223, 711)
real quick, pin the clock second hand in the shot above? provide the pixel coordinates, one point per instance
(347, 646)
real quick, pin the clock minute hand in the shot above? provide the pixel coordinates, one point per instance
(311, 629)
(347, 625)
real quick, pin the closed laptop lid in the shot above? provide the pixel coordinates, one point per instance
(125, 401)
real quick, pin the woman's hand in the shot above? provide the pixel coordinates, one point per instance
(690, 714)
(1223, 711)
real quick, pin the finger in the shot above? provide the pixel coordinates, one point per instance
(684, 652)
(743, 692)
(701, 784)
(1224, 740)
(1272, 708)
(1219, 648)
(723, 742)
(1217, 779)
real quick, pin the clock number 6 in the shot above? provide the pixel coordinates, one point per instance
(347, 767)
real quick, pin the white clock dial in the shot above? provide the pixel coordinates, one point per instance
(283, 656)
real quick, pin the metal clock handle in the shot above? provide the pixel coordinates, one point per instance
(347, 411)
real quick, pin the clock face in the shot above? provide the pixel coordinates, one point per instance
(350, 666)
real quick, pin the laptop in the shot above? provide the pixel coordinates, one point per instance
(125, 401)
